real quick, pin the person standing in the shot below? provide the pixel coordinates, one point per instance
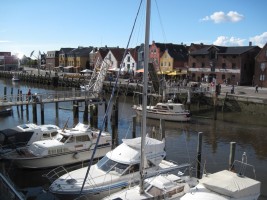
(256, 89)
(29, 94)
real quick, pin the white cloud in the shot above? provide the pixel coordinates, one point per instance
(229, 41)
(4, 41)
(219, 17)
(259, 40)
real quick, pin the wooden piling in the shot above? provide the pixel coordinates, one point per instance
(134, 127)
(5, 89)
(27, 112)
(199, 149)
(91, 106)
(75, 110)
(34, 112)
(21, 99)
(162, 128)
(42, 113)
(95, 116)
(232, 155)
(56, 104)
(85, 113)
(215, 107)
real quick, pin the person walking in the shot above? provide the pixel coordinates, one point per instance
(29, 95)
(256, 89)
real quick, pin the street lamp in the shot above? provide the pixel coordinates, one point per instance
(262, 76)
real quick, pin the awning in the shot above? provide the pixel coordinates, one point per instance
(163, 72)
(114, 69)
(175, 73)
(140, 71)
(86, 71)
(76, 67)
(68, 67)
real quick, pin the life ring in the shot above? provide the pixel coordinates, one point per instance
(76, 155)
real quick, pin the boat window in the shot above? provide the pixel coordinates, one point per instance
(107, 165)
(71, 140)
(24, 126)
(63, 139)
(164, 108)
(171, 107)
(154, 191)
(54, 133)
(82, 138)
(133, 168)
(46, 135)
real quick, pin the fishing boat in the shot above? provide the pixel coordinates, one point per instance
(168, 111)
(24, 135)
(68, 147)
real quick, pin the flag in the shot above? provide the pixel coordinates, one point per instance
(32, 53)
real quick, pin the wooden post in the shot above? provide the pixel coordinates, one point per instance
(232, 155)
(162, 128)
(18, 98)
(34, 112)
(21, 106)
(27, 112)
(75, 110)
(11, 94)
(85, 113)
(91, 114)
(134, 127)
(56, 104)
(116, 108)
(5, 93)
(42, 113)
(199, 149)
(95, 116)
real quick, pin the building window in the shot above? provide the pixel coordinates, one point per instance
(266, 53)
(169, 64)
(128, 59)
(193, 65)
(233, 66)
(202, 65)
(223, 65)
(234, 56)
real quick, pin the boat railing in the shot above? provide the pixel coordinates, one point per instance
(55, 173)
(243, 169)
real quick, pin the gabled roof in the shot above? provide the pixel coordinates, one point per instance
(223, 50)
(65, 50)
(177, 52)
(118, 53)
(134, 53)
(103, 52)
(81, 51)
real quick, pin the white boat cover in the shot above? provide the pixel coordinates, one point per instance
(230, 184)
(150, 143)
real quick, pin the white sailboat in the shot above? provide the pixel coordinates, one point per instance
(120, 167)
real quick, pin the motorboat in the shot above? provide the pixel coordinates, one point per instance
(71, 146)
(118, 169)
(230, 184)
(168, 111)
(163, 186)
(5, 110)
(15, 78)
(24, 135)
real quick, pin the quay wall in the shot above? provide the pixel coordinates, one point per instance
(246, 103)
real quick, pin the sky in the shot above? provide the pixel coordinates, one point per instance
(41, 26)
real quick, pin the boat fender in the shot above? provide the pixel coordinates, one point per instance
(76, 155)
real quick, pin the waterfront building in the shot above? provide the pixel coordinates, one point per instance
(63, 57)
(231, 65)
(114, 58)
(52, 60)
(260, 68)
(8, 62)
(130, 62)
(99, 56)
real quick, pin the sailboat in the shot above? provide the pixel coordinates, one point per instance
(120, 167)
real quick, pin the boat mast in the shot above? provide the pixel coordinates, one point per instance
(145, 85)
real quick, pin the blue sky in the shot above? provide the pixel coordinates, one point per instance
(49, 25)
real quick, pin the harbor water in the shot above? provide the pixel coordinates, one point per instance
(249, 133)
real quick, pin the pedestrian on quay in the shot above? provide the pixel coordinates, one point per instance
(256, 89)
(29, 94)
